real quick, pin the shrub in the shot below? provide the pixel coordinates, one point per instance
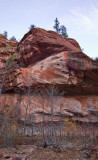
(8, 47)
(32, 26)
(5, 34)
(11, 59)
(70, 125)
(13, 39)
(96, 59)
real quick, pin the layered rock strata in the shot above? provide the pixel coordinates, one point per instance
(45, 59)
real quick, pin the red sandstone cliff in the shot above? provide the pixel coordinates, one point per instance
(45, 58)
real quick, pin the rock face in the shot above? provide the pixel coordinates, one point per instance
(47, 59)
(7, 48)
(39, 44)
(77, 108)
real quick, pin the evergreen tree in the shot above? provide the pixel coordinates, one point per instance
(5, 34)
(56, 26)
(60, 29)
(96, 59)
(63, 31)
(32, 26)
(13, 39)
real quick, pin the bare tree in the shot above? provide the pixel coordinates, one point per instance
(43, 98)
(91, 122)
(27, 92)
(60, 126)
(51, 94)
(52, 91)
(41, 91)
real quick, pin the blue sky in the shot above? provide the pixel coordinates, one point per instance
(79, 16)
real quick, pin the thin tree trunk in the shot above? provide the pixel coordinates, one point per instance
(24, 129)
(43, 121)
(52, 116)
(60, 129)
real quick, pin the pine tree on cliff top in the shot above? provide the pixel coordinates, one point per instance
(63, 31)
(56, 26)
(60, 29)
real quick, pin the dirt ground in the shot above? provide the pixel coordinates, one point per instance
(36, 152)
(67, 147)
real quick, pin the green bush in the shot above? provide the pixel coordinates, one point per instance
(13, 39)
(5, 34)
(8, 47)
(11, 59)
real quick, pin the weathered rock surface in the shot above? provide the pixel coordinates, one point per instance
(45, 58)
(75, 107)
(7, 49)
(39, 44)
